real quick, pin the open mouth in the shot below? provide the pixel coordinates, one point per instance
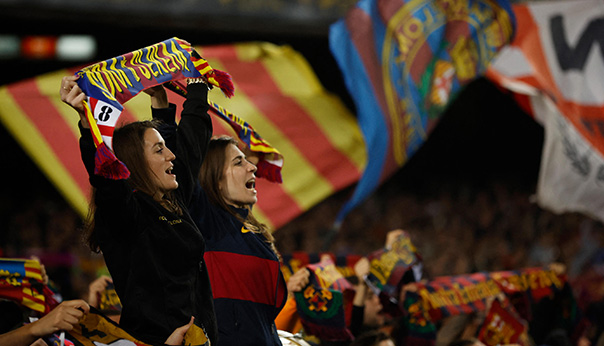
(251, 184)
(169, 171)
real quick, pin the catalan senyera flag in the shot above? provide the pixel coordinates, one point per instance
(403, 61)
(21, 281)
(277, 93)
(555, 69)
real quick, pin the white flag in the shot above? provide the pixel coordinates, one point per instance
(555, 65)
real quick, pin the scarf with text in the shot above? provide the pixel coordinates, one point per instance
(110, 83)
(391, 268)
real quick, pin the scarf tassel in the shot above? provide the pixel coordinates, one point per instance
(222, 80)
(269, 171)
(107, 165)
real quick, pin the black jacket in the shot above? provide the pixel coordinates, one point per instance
(154, 256)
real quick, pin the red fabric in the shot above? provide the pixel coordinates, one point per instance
(231, 276)
(107, 165)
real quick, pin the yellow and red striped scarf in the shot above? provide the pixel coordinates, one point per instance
(21, 281)
(110, 83)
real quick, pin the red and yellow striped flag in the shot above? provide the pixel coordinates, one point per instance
(21, 281)
(277, 93)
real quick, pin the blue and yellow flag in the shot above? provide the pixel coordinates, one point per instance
(403, 62)
(21, 281)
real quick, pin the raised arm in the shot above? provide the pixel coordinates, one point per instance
(194, 134)
(72, 95)
(109, 190)
(190, 139)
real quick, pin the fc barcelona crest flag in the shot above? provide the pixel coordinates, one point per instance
(321, 304)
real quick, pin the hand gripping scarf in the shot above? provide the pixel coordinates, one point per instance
(95, 329)
(110, 83)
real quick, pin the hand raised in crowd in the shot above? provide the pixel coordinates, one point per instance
(361, 270)
(298, 281)
(392, 236)
(96, 288)
(71, 93)
(178, 336)
(159, 97)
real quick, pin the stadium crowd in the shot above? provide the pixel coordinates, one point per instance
(458, 228)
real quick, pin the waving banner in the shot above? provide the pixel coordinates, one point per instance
(555, 67)
(388, 266)
(110, 83)
(403, 62)
(277, 92)
(428, 302)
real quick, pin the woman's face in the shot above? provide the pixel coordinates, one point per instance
(238, 184)
(159, 158)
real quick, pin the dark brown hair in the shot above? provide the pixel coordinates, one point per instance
(211, 174)
(129, 148)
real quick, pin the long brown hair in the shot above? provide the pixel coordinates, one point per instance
(210, 175)
(129, 147)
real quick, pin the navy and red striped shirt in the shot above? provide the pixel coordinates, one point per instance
(248, 286)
